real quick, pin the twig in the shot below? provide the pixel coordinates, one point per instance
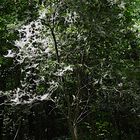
(17, 130)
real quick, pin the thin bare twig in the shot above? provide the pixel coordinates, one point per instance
(18, 129)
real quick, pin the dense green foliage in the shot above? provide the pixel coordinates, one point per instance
(85, 55)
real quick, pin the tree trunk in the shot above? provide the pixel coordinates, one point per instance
(74, 133)
(73, 130)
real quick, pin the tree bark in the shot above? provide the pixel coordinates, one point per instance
(73, 130)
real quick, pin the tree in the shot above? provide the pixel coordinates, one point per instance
(80, 54)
